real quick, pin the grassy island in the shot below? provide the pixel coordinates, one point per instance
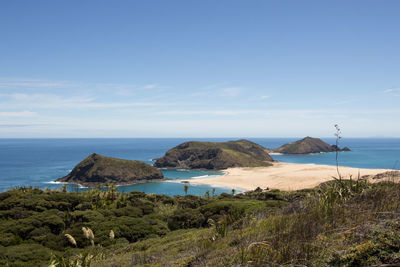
(215, 155)
(97, 170)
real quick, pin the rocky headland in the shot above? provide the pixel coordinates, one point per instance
(98, 170)
(215, 155)
(308, 145)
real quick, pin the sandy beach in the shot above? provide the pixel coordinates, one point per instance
(283, 176)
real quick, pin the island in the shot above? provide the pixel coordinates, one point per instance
(98, 170)
(307, 145)
(215, 155)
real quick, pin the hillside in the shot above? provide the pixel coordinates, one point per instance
(98, 170)
(213, 155)
(340, 223)
(34, 223)
(308, 145)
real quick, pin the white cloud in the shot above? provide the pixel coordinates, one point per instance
(48, 101)
(259, 123)
(25, 113)
(393, 91)
(264, 96)
(150, 86)
(42, 84)
(286, 114)
(207, 112)
(31, 83)
(214, 86)
(231, 91)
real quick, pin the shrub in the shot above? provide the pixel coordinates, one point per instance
(186, 218)
(9, 239)
(24, 255)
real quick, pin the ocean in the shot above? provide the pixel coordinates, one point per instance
(38, 162)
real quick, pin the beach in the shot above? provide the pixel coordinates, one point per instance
(283, 176)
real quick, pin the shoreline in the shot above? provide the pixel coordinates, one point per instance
(282, 176)
(94, 185)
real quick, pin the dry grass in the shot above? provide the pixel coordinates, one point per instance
(71, 239)
(334, 225)
(88, 234)
(112, 235)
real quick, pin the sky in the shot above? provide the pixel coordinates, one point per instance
(71, 69)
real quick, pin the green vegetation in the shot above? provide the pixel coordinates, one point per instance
(310, 145)
(340, 223)
(214, 155)
(97, 170)
(36, 224)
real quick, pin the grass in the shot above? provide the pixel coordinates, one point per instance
(62, 225)
(220, 155)
(340, 223)
(97, 169)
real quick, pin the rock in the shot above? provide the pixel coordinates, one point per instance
(308, 145)
(215, 156)
(335, 147)
(97, 169)
(258, 190)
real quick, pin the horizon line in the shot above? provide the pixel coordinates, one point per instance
(186, 137)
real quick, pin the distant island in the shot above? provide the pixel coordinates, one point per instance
(308, 145)
(98, 170)
(215, 155)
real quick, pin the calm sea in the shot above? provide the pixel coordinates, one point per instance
(38, 162)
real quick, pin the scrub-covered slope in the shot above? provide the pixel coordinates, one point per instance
(308, 145)
(97, 169)
(213, 155)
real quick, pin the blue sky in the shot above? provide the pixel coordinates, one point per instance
(199, 68)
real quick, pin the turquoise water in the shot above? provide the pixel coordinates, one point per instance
(37, 162)
(369, 153)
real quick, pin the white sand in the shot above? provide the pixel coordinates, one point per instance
(283, 176)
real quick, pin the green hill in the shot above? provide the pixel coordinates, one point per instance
(214, 155)
(98, 170)
(340, 223)
(308, 145)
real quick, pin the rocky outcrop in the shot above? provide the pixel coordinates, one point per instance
(215, 156)
(308, 145)
(97, 169)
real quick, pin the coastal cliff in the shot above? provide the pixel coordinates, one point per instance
(97, 169)
(308, 145)
(213, 155)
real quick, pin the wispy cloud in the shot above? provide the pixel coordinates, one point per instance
(71, 108)
(289, 114)
(207, 112)
(150, 86)
(214, 85)
(261, 123)
(231, 91)
(35, 84)
(393, 91)
(18, 125)
(27, 83)
(48, 101)
(343, 102)
(24, 113)
(214, 89)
